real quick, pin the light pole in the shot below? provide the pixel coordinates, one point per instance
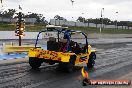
(101, 19)
(1, 1)
(1, 13)
(72, 19)
(1, 10)
(87, 21)
(83, 17)
(72, 2)
(116, 20)
(20, 25)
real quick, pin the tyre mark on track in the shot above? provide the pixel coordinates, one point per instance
(8, 67)
(110, 68)
(114, 62)
(5, 80)
(8, 81)
(114, 58)
(12, 73)
(49, 81)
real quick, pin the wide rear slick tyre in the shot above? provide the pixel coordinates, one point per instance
(35, 63)
(69, 66)
(91, 60)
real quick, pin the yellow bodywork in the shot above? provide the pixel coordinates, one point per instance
(59, 56)
(52, 55)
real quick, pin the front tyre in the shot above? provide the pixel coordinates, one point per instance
(91, 60)
(35, 63)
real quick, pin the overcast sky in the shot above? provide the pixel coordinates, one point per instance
(90, 8)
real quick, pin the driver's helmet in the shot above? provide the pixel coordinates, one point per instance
(67, 35)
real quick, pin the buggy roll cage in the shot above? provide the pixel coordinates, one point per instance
(66, 32)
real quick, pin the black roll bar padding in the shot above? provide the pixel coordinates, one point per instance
(38, 37)
(58, 35)
(44, 31)
(86, 40)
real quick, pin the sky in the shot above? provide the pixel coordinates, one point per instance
(84, 8)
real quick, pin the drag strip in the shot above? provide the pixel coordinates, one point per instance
(112, 62)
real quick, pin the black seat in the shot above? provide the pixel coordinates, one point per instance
(75, 47)
(63, 45)
(52, 45)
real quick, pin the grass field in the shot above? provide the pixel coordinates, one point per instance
(39, 27)
(107, 31)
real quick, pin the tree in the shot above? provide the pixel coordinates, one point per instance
(81, 19)
(106, 20)
(124, 23)
(97, 21)
(57, 17)
(89, 20)
(9, 13)
(39, 17)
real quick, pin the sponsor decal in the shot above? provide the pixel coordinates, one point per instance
(83, 58)
(86, 81)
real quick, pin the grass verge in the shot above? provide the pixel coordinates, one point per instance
(39, 27)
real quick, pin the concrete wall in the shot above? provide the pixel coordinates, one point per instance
(28, 35)
(12, 20)
(11, 35)
(81, 24)
(33, 35)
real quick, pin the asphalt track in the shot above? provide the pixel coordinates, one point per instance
(113, 61)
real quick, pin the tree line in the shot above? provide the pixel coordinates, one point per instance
(105, 21)
(41, 19)
(11, 13)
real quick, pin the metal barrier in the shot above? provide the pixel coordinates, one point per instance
(17, 49)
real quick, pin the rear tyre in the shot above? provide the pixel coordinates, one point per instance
(68, 67)
(51, 63)
(35, 63)
(91, 60)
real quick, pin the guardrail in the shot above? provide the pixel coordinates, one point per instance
(18, 49)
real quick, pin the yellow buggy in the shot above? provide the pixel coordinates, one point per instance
(64, 51)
